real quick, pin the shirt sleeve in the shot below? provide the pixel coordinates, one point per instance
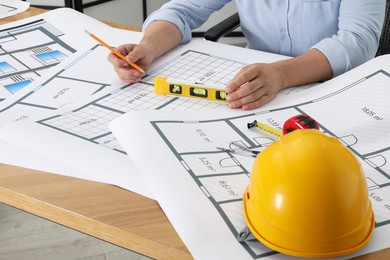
(185, 15)
(360, 24)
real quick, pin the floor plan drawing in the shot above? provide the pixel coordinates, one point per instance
(356, 114)
(20, 64)
(85, 123)
(10, 7)
(6, 8)
(64, 87)
(90, 120)
(223, 176)
(193, 156)
(31, 47)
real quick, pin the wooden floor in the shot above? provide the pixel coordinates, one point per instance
(26, 236)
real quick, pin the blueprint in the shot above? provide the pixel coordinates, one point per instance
(82, 126)
(169, 145)
(30, 47)
(21, 63)
(12, 7)
(200, 187)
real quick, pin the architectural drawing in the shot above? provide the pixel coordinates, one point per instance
(64, 87)
(75, 104)
(90, 121)
(80, 125)
(6, 9)
(26, 52)
(34, 46)
(10, 7)
(74, 80)
(356, 114)
(223, 176)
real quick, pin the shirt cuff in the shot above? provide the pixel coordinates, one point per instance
(169, 16)
(336, 54)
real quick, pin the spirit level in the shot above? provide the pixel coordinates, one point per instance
(165, 86)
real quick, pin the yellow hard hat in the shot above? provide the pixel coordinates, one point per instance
(308, 197)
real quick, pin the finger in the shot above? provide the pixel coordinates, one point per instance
(245, 95)
(257, 103)
(129, 51)
(116, 61)
(248, 89)
(245, 75)
(128, 75)
(136, 54)
(126, 48)
(248, 102)
(133, 56)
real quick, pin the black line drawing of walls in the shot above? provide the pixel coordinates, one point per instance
(29, 50)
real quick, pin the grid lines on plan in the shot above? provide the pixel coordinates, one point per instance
(199, 67)
(90, 121)
(138, 96)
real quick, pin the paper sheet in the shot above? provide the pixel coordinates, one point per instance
(80, 129)
(15, 155)
(35, 46)
(12, 7)
(32, 46)
(200, 188)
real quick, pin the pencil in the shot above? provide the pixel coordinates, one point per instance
(114, 51)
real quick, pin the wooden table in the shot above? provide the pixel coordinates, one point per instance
(104, 211)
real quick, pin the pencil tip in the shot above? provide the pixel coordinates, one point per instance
(87, 32)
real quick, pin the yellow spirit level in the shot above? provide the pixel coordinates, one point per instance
(164, 86)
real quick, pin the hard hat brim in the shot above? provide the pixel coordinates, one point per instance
(309, 253)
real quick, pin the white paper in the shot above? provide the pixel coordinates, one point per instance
(76, 78)
(15, 155)
(189, 175)
(58, 30)
(80, 129)
(12, 7)
(32, 46)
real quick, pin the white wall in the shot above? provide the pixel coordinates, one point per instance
(224, 13)
(130, 12)
(47, 2)
(127, 12)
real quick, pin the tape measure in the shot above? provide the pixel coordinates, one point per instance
(266, 128)
(164, 86)
(300, 121)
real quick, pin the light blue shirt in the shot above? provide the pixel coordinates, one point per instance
(346, 31)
